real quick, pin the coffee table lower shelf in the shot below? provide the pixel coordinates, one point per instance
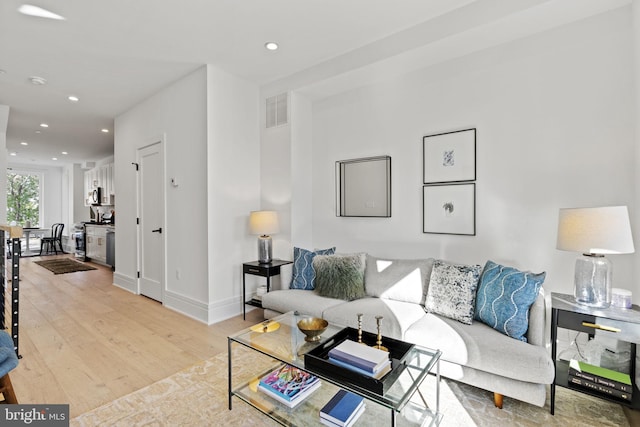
(307, 412)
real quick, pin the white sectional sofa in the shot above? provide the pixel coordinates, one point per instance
(476, 354)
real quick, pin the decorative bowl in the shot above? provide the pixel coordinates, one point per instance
(312, 327)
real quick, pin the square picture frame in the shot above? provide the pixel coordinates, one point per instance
(449, 209)
(449, 157)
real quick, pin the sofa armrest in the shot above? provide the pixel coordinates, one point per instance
(536, 333)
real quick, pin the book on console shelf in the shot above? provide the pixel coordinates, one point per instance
(609, 391)
(361, 356)
(289, 385)
(342, 410)
(601, 376)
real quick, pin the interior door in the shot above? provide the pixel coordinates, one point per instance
(151, 228)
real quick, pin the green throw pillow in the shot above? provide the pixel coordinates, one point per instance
(340, 276)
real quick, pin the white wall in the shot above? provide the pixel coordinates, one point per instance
(208, 122)
(233, 178)
(176, 115)
(555, 129)
(4, 121)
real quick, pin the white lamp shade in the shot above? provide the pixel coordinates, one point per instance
(603, 230)
(263, 223)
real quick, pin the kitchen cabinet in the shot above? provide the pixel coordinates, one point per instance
(101, 176)
(96, 243)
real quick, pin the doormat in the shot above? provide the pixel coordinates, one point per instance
(64, 265)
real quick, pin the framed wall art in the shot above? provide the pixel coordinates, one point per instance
(449, 209)
(449, 157)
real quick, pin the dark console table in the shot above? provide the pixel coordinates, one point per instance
(619, 323)
(259, 269)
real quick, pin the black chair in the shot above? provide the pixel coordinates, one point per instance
(55, 241)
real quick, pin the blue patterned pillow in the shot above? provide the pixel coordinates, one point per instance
(303, 273)
(452, 290)
(504, 298)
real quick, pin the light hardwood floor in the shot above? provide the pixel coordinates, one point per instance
(86, 342)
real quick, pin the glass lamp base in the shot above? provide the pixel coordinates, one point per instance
(264, 249)
(593, 281)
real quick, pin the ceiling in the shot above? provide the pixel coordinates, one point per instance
(113, 54)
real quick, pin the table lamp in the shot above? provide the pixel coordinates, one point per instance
(264, 223)
(594, 232)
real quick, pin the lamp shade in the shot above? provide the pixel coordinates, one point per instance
(263, 223)
(602, 230)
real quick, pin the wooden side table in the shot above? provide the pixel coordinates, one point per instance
(259, 269)
(619, 323)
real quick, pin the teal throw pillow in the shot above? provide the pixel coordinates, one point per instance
(303, 274)
(340, 276)
(505, 295)
(452, 290)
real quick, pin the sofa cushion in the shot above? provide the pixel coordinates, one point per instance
(452, 290)
(398, 316)
(303, 275)
(505, 295)
(398, 279)
(306, 302)
(482, 347)
(340, 276)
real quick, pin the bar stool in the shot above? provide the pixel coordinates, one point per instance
(8, 361)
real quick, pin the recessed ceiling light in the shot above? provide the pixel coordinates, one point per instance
(73, 98)
(38, 131)
(271, 46)
(28, 9)
(65, 153)
(24, 143)
(13, 153)
(105, 130)
(38, 81)
(44, 125)
(54, 158)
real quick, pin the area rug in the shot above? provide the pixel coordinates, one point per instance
(64, 265)
(197, 396)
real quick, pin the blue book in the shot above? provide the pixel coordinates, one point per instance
(381, 373)
(342, 408)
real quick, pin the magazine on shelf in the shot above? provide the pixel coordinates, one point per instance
(289, 385)
(343, 409)
(362, 356)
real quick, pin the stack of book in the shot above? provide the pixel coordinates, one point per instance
(606, 381)
(289, 385)
(342, 410)
(360, 358)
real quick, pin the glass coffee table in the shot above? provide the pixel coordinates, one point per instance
(258, 350)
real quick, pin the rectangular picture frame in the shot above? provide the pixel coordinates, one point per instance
(449, 157)
(449, 209)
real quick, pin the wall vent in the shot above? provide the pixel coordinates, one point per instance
(277, 110)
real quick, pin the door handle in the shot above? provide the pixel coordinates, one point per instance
(157, 230)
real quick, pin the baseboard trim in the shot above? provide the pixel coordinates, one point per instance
(189, 307)
(206, 313)
(127, 283)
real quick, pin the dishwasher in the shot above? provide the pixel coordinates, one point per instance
(111, 247)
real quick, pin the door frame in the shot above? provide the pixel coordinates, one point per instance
(151, 141)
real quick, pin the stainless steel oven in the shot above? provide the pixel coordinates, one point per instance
(80, 239)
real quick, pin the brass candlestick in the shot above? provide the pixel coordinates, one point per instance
(360, 328)
(379, 345)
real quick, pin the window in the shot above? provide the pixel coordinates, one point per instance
(23, 197)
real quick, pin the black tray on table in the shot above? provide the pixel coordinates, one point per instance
(317, 360)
